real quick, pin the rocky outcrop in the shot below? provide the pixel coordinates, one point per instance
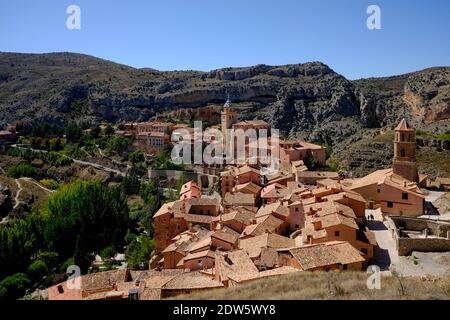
(307, 100)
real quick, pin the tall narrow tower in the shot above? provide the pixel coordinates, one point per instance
(228, 117)
(405, 152)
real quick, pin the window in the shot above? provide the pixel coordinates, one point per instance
(378, 190)
(344, 267)
(337, 233)
(402, 153)
(296, 209)
(390, 204)
(404, 195)
(364, 250)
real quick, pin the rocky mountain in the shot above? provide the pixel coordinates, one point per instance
(307, 100)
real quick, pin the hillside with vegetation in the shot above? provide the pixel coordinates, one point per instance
(308, 100)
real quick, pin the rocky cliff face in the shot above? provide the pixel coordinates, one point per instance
(305, 100)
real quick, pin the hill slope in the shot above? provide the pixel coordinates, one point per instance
(308, 100)
(350, 285)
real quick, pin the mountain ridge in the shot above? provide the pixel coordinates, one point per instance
(308, 100)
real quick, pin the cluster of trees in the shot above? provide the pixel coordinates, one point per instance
(81, 218)
(22, 170)
(163, 161)
(51, 158)
(49, 136)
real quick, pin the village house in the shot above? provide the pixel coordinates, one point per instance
(392, 193)
(265, 224)
(328, 221)
(395, 191)
(262, 246)
(190, 190)
(175, 217)
(295, 151)
(239, 199)
(236, 220)
(99, 286)
(333, 255)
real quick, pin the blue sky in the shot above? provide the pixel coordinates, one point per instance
(210, 34)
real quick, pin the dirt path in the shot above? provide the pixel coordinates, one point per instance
(38, 184)
(16, 198)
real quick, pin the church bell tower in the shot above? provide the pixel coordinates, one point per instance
(405, 152)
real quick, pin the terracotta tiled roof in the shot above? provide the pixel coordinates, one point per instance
(335, 219)
(275, 208)
(403, 126)
(253, 245)
(345, 194)
(326, 254)
(242, 217)
(165, 208)
(198, 218)
(278, 271)
(266, 224)
(329, 207)
(248, 187)
(239, 198)
(236, 265)
(202, 254)
(103, 280)
(246, 169)
(150, 294)
(192, 280)
(225, 236)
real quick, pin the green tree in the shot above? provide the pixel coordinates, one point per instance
(108, 253)
(117, 145)
(13, 287)
(80, 256)
(136, 157)
(139, 252)
(36, 270)
(131, 184)
(22, 170)
(89, 210)
(73, 132)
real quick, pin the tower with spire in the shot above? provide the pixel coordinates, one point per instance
(228, 117)
(405, 152)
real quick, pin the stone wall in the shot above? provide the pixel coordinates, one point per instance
(203, 180)
(407, 245)
(436, 228)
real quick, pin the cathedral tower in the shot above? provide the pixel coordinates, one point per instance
(405, 152)
(228, 117)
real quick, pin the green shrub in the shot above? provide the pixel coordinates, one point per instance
(37, 270)
(139, 252)
(49, 183)
(22, 170)
(108, 253)
(13, 287)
